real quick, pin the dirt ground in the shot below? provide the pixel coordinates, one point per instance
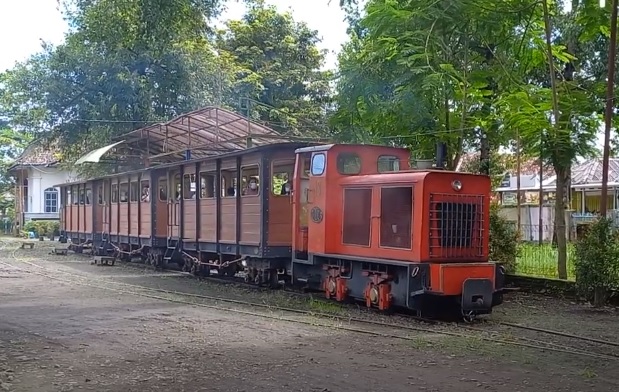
(58, 336)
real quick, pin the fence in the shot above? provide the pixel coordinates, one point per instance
(541, 260)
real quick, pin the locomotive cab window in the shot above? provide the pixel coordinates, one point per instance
(189, 186)
(281, 178)
(250, 181)
(123, 192)
(134, 191)
(114, 193)
(163, 189)
(318, 164)
(388, 163)
(145, 191)
(207, 185)
(348, 163)
(396, 217)
(228, 183)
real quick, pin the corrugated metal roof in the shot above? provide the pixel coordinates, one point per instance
(206, 132)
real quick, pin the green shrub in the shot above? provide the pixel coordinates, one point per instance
(504, 240)
(597, 261)
(43, 227)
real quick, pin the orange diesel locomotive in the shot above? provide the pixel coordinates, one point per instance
(351, 220)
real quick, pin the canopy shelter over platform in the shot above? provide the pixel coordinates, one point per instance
(199, 134)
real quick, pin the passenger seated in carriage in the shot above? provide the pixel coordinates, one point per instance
(145, 193)
(252, 187)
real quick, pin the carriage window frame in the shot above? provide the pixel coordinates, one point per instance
(245, 179)
(115, 194)
(134, 191)
(282, 163)
(88, 195)
(224, 185)
(162, 186)
(186, 192)
(340, 163)
(145, 184)
(204, 187)
(314, 165)
(390, 160)
(123, 187)
(100, 195)
(75, 200)
(177, 188)
(82, 194)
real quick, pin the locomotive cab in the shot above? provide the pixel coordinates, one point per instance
(368, 228)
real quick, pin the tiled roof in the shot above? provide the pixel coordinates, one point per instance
(590, 172)
(38, 153)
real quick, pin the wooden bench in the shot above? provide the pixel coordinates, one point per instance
(60, 251)
(104, 260)
(27, 244)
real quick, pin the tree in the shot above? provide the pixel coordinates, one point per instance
(125, 64)
(416, 73)
(279, 65)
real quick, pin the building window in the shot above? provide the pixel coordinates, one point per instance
(51, 200)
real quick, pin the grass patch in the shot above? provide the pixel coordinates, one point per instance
(541, 261)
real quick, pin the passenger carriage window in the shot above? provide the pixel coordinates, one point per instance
(82, 195)
(123, 192)
(88, 198)
(100, 197)
(348, 163)
(68, 196)
(207, 185)
(228, 183)
(114, 193)
(134, 191)
(388, 163)
(318, 164)
(76, 199)
(176, 186)
(144, 191)
(396, 217)
(163, 189)
(281, 177)
(250, 181)
(189, 186)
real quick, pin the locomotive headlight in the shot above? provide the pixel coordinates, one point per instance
(456, 185)
(244, 263)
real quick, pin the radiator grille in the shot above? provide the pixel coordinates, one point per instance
(456, 226)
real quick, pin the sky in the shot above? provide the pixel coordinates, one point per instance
(26, 23)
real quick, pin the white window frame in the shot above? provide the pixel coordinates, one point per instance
(53, 200)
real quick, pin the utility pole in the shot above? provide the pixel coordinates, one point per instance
(610, 101)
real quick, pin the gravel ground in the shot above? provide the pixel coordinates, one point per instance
(62, 336)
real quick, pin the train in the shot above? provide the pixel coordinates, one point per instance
(356, 222)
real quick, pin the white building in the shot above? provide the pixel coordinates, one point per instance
(36, 171)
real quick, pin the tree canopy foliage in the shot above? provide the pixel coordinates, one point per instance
(127, 63)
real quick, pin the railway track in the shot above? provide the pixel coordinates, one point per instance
(334, 321)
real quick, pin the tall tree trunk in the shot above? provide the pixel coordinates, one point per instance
(560, 169)
(560, 222)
